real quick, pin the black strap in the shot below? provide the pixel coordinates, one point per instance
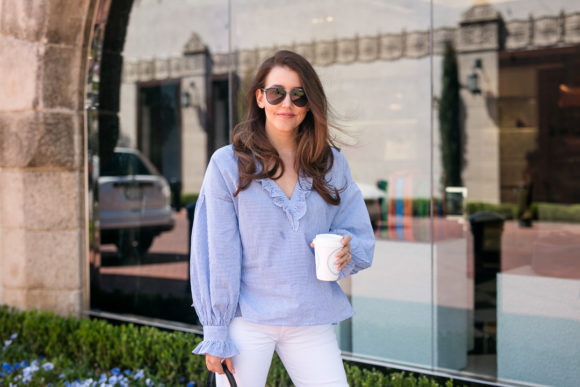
(231, 379)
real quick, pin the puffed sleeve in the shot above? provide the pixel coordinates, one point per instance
(216, 259)
(352, 218)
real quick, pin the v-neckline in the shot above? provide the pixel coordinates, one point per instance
(294, 206)
(293, 191)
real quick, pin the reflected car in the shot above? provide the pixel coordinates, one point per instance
(372, 197)
(134, 202)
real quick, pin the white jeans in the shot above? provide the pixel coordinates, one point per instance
(310, 354)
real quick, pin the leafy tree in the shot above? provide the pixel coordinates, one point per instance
(449, 126)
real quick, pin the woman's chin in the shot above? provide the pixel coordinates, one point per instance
(284, 127)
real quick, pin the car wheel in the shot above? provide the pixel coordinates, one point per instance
(145, 240)
(133, 244)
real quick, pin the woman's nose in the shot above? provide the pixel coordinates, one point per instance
(286, 101)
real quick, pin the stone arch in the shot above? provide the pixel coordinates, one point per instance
(43, 212)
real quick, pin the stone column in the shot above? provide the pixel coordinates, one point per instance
(479, 39)
(43, 221)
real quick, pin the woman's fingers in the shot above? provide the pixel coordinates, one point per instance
(342, 262)
(230, 365)
(346, 240)
(214, 363)
(344, 256)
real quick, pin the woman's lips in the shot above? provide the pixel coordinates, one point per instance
(285, 115)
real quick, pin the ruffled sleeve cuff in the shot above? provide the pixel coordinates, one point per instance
(223, 349)
(216, 342)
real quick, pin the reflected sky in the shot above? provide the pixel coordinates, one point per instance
(161, 28)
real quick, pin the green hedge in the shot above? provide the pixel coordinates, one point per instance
(421, 207)
(507, 210)
(188, 198)
(547, 212)
(98, 345)
(552, 212)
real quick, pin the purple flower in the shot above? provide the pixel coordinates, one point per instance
(138, 375)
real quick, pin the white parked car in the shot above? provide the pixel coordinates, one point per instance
(134, 202)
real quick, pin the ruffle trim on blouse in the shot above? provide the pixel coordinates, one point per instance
(222, 349)
(294, 208)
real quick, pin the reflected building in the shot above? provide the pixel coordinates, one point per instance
(508, 58)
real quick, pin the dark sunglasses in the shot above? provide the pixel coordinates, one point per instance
(276, 94)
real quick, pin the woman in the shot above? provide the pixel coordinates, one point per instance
(262, 202)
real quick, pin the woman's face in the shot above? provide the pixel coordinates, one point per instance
(284, 117)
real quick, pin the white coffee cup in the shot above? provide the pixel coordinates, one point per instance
(325, 248)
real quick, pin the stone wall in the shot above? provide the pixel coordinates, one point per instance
(43, 221)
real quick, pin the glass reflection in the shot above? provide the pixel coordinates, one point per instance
(377, 79)
(516, 73)
(162, 111)
(474, 197)
(133, 203)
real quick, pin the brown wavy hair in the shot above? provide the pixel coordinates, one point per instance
(314, 157)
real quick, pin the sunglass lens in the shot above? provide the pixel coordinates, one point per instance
(275, 95)
(298, 97)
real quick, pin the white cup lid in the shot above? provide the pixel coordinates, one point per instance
(327, 239)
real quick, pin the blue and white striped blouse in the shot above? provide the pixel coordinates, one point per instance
(251, 254)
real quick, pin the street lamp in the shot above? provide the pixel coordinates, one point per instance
(473, 78)
(190, 98)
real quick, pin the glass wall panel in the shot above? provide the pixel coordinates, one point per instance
(466, 152)
(162, 110)
(513, 135)
(373, 60)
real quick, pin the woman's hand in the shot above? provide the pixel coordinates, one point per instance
(344, 256)
(214, 364)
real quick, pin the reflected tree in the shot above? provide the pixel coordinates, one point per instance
(449, 119)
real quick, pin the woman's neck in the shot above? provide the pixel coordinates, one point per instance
(284, 143)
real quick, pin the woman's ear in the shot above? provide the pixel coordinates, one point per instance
(260, 98)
